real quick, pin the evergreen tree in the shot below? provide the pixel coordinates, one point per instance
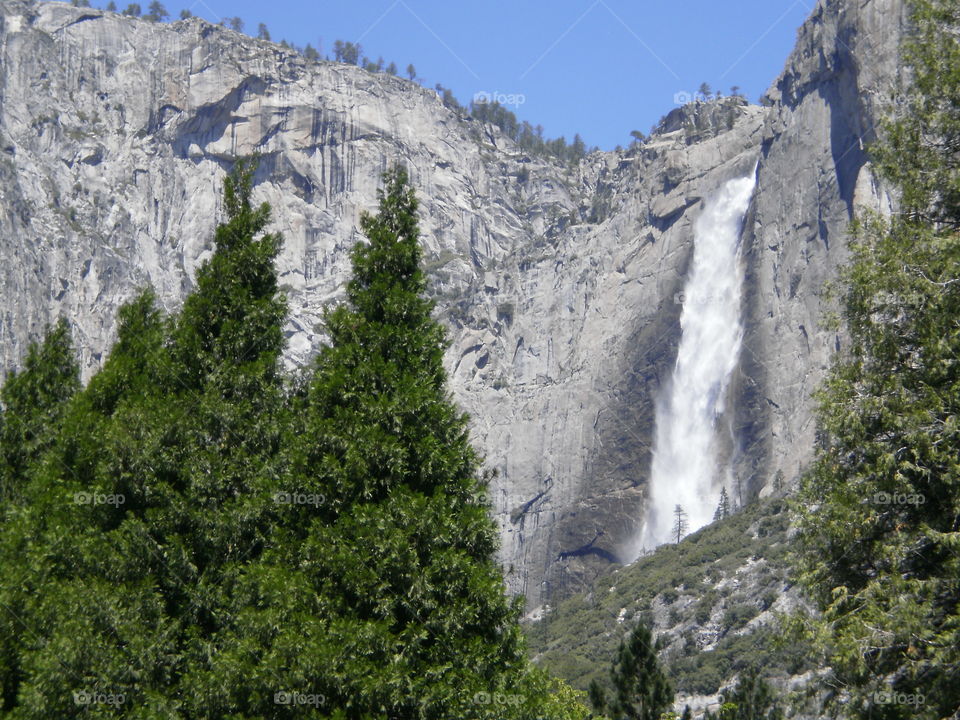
(236, 23)
(352, 53)
(411, 72)
(262, 32)
(578, 148)
(723, 507)
(679, 522)
(751, 699)
(111, 6)
(133, 10)
(310, 52)
(641, 691)
(32, 403)
(705, 91)
(185, 14)
(879, 512)
(156, 12)
(392, 68)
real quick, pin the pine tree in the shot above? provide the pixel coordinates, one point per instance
(641, 691)
(263, 33)
(411, 72)
(751, 699)
(156, 12)
(679, 522)
(723, 507)
(33, 402)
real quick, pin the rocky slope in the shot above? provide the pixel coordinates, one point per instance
(557, 284)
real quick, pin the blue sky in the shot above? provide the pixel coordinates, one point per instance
(598, 67)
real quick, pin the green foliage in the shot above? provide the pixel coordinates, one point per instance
(922, 139)
(751, 699)
(33, 403)
(879, 513)
(723, 507)
(641, 691)
(156, 12)
(347, 52)
(527, 136)
(577, 639)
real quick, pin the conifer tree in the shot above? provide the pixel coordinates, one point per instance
(679, 522)
(751, 699)
(641, 691)
(32, 403)
(723, 507)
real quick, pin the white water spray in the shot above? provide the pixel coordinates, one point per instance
(686, 466)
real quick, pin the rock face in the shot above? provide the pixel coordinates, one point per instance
(837, 86)
(557, 284)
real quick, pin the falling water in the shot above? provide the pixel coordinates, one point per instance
(686, 468)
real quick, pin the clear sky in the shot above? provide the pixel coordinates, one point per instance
(598, 67)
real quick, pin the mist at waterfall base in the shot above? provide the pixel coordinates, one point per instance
(686, 468)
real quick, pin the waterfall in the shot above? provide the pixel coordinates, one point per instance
(686, 468)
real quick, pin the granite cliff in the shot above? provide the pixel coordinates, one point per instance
(558, 284)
